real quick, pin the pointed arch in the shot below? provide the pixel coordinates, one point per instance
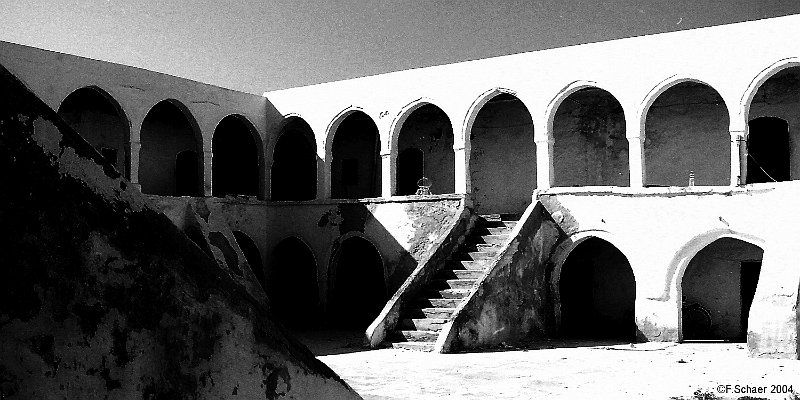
(168, 130)
(101, 121)
(238, 158)
(352, 155)
(293, 172)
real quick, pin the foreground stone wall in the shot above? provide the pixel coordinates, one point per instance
(101, 296)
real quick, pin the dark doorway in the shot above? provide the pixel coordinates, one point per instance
(100, 121)
(187, 174)
(294, 165)
(355, 166)
(252, 255)
(768, 150)
(750, 273)
(292, 285)
(358, 293)
(718, 286)
(410, 166)
(235, 164)
(598, 293)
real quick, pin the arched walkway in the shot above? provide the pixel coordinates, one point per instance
(252, 255)
(358, 292)
(169, 161)
(355, 164)
(99, 119)
(235, 163)
(774, 128)
(598, 292)
(502, 160)
(717, 289)
(294, 163)
(292, 284)
(425, 148)
(590, 147)
(686, 130)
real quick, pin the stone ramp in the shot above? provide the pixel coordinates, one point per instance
(101, 296)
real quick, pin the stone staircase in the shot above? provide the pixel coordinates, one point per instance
(422, 319)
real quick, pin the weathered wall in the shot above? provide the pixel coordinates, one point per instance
(511, 303)
(100, 295)
(502, 164)
(660, 231)
(590, 147)
(403, 230)
(428, 129)
(687, 130)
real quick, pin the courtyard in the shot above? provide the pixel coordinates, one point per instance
(557, 370)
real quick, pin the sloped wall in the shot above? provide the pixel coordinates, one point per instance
(102, 297)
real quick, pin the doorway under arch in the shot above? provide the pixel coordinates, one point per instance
(768, 150)
(717, 288)
(293, 175)
(598, 293)
(425, 146)
(358, 293)
(355, 164)
(292, 284)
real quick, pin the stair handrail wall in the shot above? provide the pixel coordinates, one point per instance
(522, 264)
(426, 269)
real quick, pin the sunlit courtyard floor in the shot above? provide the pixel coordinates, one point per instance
(556, 370)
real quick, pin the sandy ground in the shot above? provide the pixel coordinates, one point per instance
(555, 370)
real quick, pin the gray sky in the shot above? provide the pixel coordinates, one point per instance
(260, 45)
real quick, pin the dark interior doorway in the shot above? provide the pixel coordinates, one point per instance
(598, 293)
(768, 157)
(252, 255)
(358, 293)
(292, 285)
(410, 168)
(751, 270)
(355, 164)
(186, 174)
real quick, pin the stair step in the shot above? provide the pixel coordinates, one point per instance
(415, 336)
(482, 255)
(472, 265)
(430, 312)
(496, 224)
(453, 283)
(422, 324)
(416, 346)
(440, 303)
(498, 217)
(496, 239)
(460, 274)
(446, 293)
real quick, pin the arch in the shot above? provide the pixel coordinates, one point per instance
(253, 256)
(169, 129)
(775, 98)
(755, 84)
(427, 128)
(353, 151)
(597, 293)
(101, 121)
(590, 144)
(292, 283)
(237, 157)
(685, 124)
(500, 127)
(293, 174)
(358, 285)
(716, 289)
